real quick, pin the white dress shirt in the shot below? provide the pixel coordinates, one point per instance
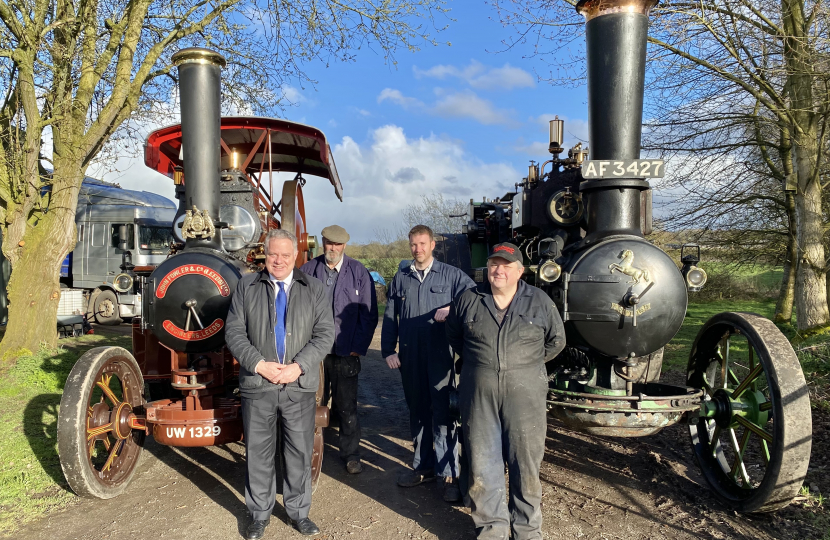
(287, 286)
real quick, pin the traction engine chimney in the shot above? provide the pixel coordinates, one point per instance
(615, 34)
(199, 94)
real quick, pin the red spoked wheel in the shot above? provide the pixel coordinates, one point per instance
(321, 421)
(99, 436)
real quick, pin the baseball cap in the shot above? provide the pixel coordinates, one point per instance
(508, 252)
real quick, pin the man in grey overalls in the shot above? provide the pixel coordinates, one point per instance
(417, 306)
(505, 330)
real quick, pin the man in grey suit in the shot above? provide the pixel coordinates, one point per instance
(279, 328)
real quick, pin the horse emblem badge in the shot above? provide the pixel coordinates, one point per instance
(627, 267)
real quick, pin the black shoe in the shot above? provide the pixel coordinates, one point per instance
(256, 529)
(451, 492)
(415, 478)
(354, 466)
(306, 527)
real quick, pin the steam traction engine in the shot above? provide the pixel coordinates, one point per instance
(582, 225)
(179, 383)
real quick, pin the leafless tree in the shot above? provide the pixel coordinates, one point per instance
(727, 78)
(439, 213)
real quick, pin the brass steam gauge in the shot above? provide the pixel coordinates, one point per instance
(565, 208)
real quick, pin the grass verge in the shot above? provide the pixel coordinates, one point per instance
(31, 480)
(676, 355)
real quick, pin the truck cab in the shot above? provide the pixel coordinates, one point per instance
(118, 229)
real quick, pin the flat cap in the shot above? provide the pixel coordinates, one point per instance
(336, 234)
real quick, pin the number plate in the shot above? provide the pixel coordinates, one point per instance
(181, 432)
(624, 168)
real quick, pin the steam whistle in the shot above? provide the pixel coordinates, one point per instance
(576, 155)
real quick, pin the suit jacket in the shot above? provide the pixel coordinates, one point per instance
(249, 330)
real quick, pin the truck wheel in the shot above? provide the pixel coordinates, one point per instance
(106, 308)
(100, 435)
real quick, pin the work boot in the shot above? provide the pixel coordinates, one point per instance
(415, 478)
(256, 529)
(451, 492)
(354, 466)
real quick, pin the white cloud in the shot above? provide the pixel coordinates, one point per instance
(465, 104)
(480, 76)
(468, 105)
(390, 171)
(395, 96)
(291, 94)
(534, 148)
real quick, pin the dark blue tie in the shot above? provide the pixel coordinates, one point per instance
(279, 328)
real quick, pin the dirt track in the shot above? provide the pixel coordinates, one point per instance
(594, 488)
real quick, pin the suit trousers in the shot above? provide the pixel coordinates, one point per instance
(294, 413)
(341, 386)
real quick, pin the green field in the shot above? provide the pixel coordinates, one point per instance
(727, 281)
(677, 351)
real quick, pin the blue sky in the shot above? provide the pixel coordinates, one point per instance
(463, 120)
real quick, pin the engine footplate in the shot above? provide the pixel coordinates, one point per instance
(650, 408)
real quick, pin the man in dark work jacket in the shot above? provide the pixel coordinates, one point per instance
(279, 328)
(505, 331)
(417, 306)
(352, 293)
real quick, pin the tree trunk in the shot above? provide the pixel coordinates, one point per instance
(786, 296)
(810, 285)
(34, 288)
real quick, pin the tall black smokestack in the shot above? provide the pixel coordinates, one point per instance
(615, 34)
(199, 92)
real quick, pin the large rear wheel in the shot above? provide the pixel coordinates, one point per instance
(753, 437)
(97, 443)
(321, 421)
(292, 217)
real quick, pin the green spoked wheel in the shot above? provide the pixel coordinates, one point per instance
(99, 436)
(753, 437)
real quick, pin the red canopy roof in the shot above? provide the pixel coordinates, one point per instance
(294, 148)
